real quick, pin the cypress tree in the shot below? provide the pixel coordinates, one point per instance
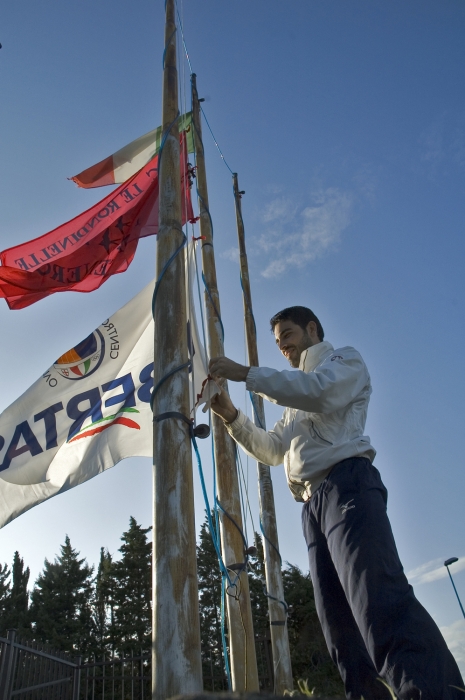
(4, 597)
(209, 582)
(17, 615)
(309, 654)
(131, 629)
(103, 602)
(257, 587)
(61, 600)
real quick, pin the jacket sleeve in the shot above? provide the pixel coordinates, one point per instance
(332, 385)
(266, 447)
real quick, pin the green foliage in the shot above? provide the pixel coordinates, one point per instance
(73, 611)
(60, 611)
(209, 582)
(309, 654)
(129, 588)
(103, 602)
(17, 614)
(257, 588)
(4, 597)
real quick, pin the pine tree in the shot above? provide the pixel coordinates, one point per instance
(209, 581)
(17, 615)
(132, 595)
(61, 600)
(257, 588)
(309, 654)
(103, 602)
(4, 598)
(261, 620)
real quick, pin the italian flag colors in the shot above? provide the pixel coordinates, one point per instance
(126, 162)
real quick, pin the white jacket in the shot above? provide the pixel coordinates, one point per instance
(326, 402)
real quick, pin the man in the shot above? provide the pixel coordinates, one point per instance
(373, 624)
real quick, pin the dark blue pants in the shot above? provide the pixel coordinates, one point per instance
(373, 624)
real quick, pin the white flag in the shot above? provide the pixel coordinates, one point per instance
(89, 410)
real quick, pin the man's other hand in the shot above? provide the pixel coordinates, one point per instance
(224, 368)
(222, 405)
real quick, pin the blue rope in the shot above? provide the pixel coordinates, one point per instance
(167, 44)
(225, 512)
(225, 577)
(213, 530)
(166, 266)
(249, 304)
(214, 305)
(206, 209)
(252, 400)
(183, 40)
(271, 543)
(223, 634)
(215, 141)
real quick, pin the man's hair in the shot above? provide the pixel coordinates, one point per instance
(299, 315)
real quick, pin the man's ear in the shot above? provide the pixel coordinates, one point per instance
(312, 329)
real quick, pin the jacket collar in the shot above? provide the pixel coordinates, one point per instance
(311, 357)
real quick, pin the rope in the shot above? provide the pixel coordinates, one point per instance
(249, 304)
(166, 46)
(261, 425)
(183, 40)
(215, 141)
(218, 315)
(252, 401)
(241, 473)
(227, 583)
(271, 543)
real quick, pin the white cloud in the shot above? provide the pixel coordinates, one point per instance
(433, 570)
(231, 254)
(280, 209)
(296, 237)
(454, 635)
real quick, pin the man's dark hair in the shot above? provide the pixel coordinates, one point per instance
(299, 315)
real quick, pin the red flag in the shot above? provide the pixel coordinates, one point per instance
(81, 254)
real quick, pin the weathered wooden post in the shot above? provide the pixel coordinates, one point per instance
(274, 582)
(176, 661)
(240, 627)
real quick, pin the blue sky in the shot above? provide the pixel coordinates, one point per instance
(345, 121)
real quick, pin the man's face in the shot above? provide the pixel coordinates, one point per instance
(292, 340)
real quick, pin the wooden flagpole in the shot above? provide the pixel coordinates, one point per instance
(274, 582)
(240, 627)
(176, 660)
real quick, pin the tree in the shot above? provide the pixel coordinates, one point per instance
(4, 597)
(61, 600)
(209, 581)
(17, 613)
(103, 602)
(131, 629)
(309, 654)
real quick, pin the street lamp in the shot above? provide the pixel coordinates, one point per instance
(447, 563)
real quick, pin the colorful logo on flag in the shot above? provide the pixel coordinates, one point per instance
(99, 426)
(84, 359)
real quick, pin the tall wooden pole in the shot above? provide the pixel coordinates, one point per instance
(240, 628)
(176, 660)
(274, 582)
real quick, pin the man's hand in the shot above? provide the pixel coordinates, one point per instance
(222, 405)
(224, 368)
